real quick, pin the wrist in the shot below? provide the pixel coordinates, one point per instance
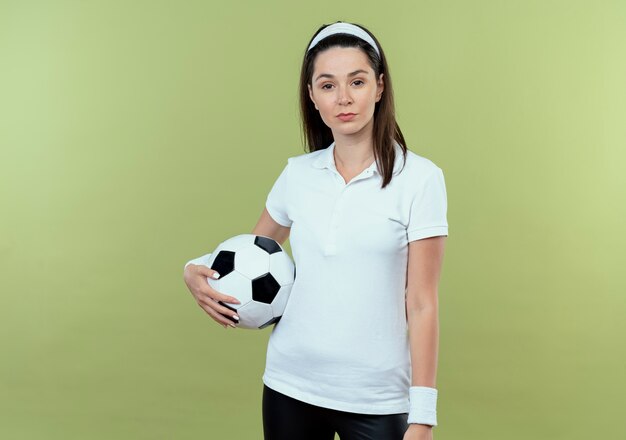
(422, 406)
(420, 427)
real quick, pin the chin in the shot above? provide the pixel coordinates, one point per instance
(348, 131)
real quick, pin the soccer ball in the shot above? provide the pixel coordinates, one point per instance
(259, 273)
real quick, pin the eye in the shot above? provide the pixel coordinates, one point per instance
(326, 88)
(358, 82)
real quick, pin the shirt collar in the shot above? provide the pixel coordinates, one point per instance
(326, 159)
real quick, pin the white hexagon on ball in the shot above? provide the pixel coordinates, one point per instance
(252, 261)
(280, 301)
(282, 268)
(255, 313)
(236, 282)
(240, 241)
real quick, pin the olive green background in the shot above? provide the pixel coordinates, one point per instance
(137, 135)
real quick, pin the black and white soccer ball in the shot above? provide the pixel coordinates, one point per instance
(259, 273)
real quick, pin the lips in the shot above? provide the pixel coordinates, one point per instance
(346, 116)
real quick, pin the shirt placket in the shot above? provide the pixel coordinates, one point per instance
(338, 212)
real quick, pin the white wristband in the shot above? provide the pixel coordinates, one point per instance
(423, 406)
(203, 260)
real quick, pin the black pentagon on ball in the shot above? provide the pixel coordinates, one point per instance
(267, 244)
(265, 288)
(224, 263)
(270, 322)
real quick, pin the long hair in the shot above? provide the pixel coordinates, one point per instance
(317, 135)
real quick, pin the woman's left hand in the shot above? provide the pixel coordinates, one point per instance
(418, 432)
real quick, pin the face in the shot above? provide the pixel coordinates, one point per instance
(345, 90)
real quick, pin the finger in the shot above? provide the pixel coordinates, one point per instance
(216, 316)
(213, 314)
(208, 272)
(231, 312)
(219, 296)
(221, 308)
(226, 299)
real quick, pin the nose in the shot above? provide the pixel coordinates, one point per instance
(343, 97)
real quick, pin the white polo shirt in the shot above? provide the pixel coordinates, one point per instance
(342, 342)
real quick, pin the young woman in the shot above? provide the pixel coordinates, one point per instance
(355, 352)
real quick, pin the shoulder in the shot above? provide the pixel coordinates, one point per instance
(306, 161)
(305, 158)
(418, 166)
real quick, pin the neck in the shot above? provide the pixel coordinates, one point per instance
(354, 151)
(354, 156)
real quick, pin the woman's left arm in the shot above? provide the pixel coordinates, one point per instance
(423, 270)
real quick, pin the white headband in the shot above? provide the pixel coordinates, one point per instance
(344, 28)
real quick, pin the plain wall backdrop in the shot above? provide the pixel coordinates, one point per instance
(137, 135)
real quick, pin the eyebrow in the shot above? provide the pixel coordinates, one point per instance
(328, 75)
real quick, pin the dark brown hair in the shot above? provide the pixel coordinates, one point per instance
(317, 135)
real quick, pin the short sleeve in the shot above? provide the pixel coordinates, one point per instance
(277, 202)
(428, 215)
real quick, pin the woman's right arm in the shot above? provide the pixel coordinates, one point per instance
(195, 275)
(268, 227)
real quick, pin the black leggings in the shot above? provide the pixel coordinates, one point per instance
(286, 418)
